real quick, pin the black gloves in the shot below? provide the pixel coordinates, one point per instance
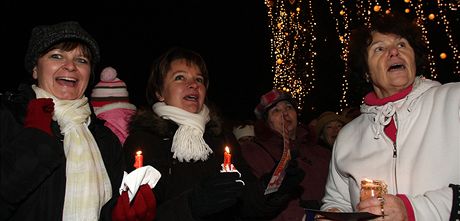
(293, 177)
(215, 194)
(289, 189)
(39, 114)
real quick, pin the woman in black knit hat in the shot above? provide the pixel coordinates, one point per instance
(57, 160)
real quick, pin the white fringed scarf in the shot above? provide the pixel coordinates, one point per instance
(188, 143)
(88, 185)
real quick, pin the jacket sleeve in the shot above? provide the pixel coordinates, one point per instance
(255, 205)
(112, 154)
(175, 209)
(336, 192)
(432, 205)
(25, 162)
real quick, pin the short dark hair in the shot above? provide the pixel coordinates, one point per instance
(162, 65)
(361, 38)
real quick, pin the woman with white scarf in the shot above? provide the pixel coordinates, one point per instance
(182, 137)
(57, 160)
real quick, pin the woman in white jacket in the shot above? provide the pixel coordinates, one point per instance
(407, 134)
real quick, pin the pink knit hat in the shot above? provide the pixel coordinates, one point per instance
(109, 90)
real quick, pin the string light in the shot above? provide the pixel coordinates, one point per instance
(443, 7)
(293, 47)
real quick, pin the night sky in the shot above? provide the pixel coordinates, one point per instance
(232, 36)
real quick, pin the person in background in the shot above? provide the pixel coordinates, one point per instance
(110, 100)
(244, 132)
(328, 127)
(311, 123)
(350, 113)
(57, 160)
(307, 169)
(406, 135)
(182, 136)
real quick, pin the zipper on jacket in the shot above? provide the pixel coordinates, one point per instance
(395, 152)
(395, 156)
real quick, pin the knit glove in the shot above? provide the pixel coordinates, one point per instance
(39, 114)
(290, 187)
(215, 194)
(142, 208)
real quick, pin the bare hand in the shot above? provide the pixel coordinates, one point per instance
(391, 206)
(321, 218)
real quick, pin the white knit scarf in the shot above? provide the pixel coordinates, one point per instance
(88, 185)
(188, 143)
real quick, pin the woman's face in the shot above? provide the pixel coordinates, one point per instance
(64, 74)
(391, 63)
(283, 109)
(331, 130)
(184, 87)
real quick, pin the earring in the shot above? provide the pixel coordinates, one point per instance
(366, 76)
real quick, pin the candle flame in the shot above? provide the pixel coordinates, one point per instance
(368, 180)
(227, 149)
(139, 152)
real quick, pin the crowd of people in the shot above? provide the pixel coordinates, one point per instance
(68, 156)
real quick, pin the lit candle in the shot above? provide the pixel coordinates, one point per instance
(372, 188)
(227, 158)
(138, 159)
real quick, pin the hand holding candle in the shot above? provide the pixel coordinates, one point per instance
(138, 160)
(227, 166)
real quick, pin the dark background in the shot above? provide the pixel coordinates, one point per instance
(229, 35)
(232, 36)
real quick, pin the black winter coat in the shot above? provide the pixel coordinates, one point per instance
(33, 164)
(153, 135)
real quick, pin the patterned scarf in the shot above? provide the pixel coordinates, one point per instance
(88, 186)
(188, 143)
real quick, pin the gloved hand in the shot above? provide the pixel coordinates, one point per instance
(39, 114)
(215, 194)
(293, 177)
(142, 208)
(289, 189)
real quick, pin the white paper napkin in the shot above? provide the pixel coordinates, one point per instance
(140, 176)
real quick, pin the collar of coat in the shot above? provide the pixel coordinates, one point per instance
(146, 120)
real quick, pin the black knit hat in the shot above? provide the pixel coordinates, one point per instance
(45, 36)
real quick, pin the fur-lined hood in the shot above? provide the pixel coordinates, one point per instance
(146, 120)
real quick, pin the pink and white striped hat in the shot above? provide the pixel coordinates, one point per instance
(109, 90)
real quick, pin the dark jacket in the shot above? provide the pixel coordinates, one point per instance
(153, 135)
(33, 164)
(265, 152)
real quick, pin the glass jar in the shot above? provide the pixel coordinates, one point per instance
(372, 188)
